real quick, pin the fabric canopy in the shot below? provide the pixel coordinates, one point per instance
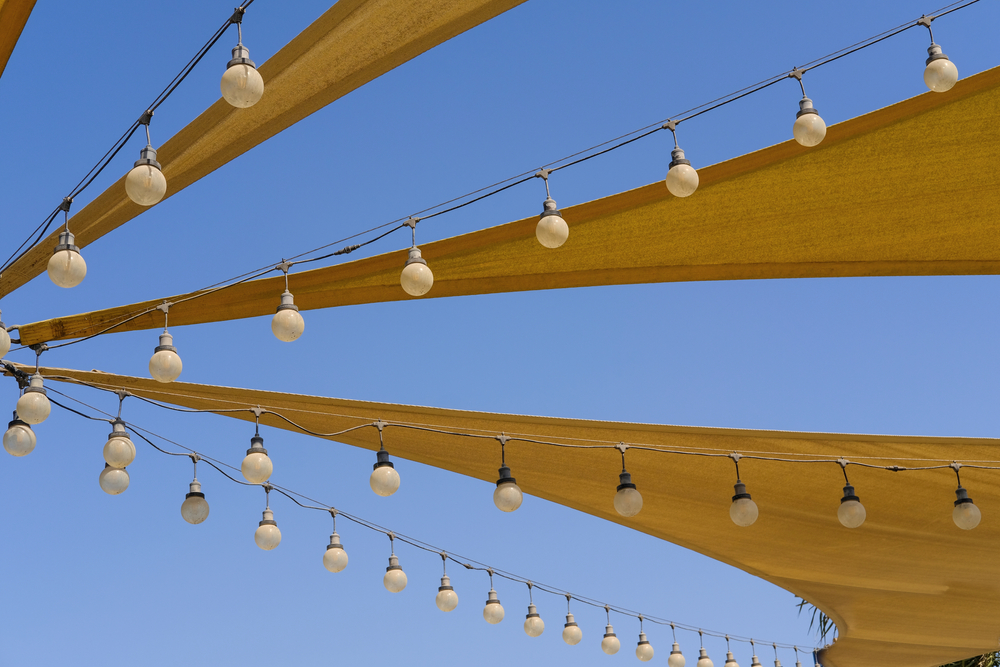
(911, 189)
(13, 15)
(908, 588)
(354, 42)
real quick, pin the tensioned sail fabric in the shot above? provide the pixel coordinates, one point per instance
(13, 15)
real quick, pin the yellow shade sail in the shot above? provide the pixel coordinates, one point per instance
(13, 15)
(907, 588)
(909, 190)
(354, 42)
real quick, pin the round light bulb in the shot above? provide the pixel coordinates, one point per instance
(610, 644)
(682, 179)
(676, 658)
(551, 230)
(66, 266)
(703, 659)
(965, 515)
(493, 611)
(287, 324)
(4, 341)
(628, 501)
(19, 439)
(446, 598)
(267, 536)
(113, 480)
(119, 451)
(644, 650)
(241, 85)
(730, 660)
(534, 626)
(335, 558)
(571, 634)
(507, 496)
(416, 278)
(384, 479)
(194, 509)
(257, 466)
(809, 129)
(34, 407)
(851, 512)
(394, 579)
(145, 184)
(165, 365)
(940, 74)
(743, 511)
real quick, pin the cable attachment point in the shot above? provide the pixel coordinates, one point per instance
(895, 468)
(736, 457)
(380, 425)
(543, 173)
(843, 463)
(503, 439)
(411, 222)
(237, 16)
(347, 249)
(66, 203)
(284, 266)
(194, 458)
(165, 307)
(258, 411)
(146, 116)
(621, 446)
(796, 73)
(333, 512)
(671, 125)
(956, 465)
(925, 21)
(267, 488)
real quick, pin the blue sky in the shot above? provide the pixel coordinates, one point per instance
(95, 579)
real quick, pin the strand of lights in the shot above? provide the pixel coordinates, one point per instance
(257, 467)
(165, 365)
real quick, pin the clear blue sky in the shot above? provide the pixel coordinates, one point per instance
(93, 579)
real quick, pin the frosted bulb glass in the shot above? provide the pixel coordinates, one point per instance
(447, 598)
(257, 467)
(704, 660)
(145, 185)
(113, 480)
(194, 509)
(384, 481)
(267, 537)
(940, 75)
(4, 341)
(119, 452)
(507, 497)
(966, 515)
(628, 502)
(287, 325)
(809, 129)
(33, 407)
(242, 86)
(743, 512)
(644, 650)
(682, 180)
(610, 644)
(165, 366)
(534, 626)
(552, 231)
(571, 634)
(19, 439)
(493, 613)
(335, 560)
(67, 268)
(676, 658)
(416, 279)
(394, 581)
(851, 513)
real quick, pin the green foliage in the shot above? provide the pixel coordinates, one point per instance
(987, 660)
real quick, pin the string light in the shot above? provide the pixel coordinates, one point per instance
(534, 626)
(777, 663)
(628, 500)
(66, 267)
(610, 642)
(851, 512)
(19, 439)
(676, 658)
(493, 611)
(965, 515)
(730, 660)
(113, 480)
(643, 650)
(551, 230)
(446, 598)
(809, 129)
(165, 365)
(507, 496)
(287, 324)
(145, 184)
(703, 659)
(34, 407)
(384, 480)
(743, 511)
(267, 536)
(241, 85)
(257, 466)
(682, 179)
(754, 662)
(571, 634)
(119, 451)
(335, 557)
(194, 509)
(394, 579)
(940, 74)
(416, 277)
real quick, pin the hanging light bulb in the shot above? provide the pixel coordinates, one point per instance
(571, 633)
(194, 509)
(66, 266)
(940, 74)
(730, 660)
(19, 439)
(34, 407)
(643, 650)
(703, 659)
(676, 658)
(743, 511)
(754, 662)
(965, 515)
(682, 179)
(113, 481)
(384, 480)
(416, 278)
(335, 558)
(446, 598)
(4, 340)
(257, 466)
(267, 536)
(551, 230)
(507, 496)
(394, 579)
(628, 500)
(287, 324)
(241, 85)
(809, 129)
(493, 611)
(610, 643)
(165, 365)
(851, 512)
(145, 184)
(534, 626)
(119, 451)
(777, 663)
